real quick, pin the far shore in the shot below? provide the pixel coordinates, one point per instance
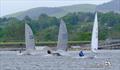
(84, 45)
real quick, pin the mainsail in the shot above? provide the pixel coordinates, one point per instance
(62, 37)
(29, 38)
(94, 42)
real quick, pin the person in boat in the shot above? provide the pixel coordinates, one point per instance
(20, 51)
(54, 54)
(48, 51)
(81, 54)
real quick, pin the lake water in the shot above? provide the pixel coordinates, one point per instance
(9, 60)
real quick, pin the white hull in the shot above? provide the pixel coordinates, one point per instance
(61, 53)
(27, 53)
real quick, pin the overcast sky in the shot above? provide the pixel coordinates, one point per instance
(12, 6)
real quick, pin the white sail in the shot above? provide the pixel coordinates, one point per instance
(29, 38)
(94, 42)
(62, 37)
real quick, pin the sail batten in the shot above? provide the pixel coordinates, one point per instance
(62, 37)
(29, 38)
(94, 41)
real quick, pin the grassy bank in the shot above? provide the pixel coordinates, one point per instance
(49, 43)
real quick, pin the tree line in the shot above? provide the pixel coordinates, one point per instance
(45, 28)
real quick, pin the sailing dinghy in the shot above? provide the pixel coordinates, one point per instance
(29, 41)
(94, 40)
(62, 41)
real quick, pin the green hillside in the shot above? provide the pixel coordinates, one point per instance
(45, 27)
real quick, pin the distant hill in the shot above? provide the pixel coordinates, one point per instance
(34, 13)
(54, 11)
(113, 5)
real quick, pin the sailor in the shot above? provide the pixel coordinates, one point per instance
(48, 51)
(81, 54)
(54, 54)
